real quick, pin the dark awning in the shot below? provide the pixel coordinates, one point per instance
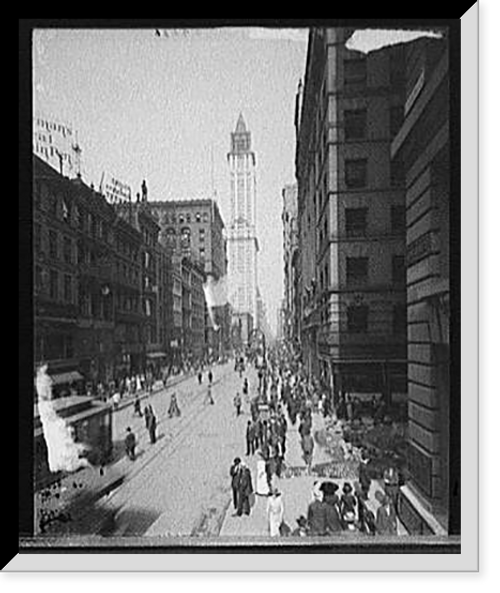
(66, 377)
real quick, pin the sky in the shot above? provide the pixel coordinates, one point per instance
(161, 105)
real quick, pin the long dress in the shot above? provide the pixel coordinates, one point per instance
(275, 514)
(262, 487)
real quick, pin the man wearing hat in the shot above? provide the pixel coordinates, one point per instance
(316, 513)
(245, 489)
(233, 472)
(385, 522)
(331, 500)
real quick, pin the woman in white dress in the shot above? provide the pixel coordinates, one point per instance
(262, 486)
(275, 512)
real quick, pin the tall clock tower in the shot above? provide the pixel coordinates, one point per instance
(242, 241)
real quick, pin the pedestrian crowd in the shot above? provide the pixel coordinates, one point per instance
(285, 395)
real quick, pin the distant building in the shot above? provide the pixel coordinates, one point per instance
(281, 321)
(290, 256)
(241, 234)
(194, 229)
(262, 321)
(242, 327)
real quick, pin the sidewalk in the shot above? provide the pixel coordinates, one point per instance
(296, 491)
(172, 381)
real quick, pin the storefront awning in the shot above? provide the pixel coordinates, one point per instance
(69, 377)
(156, 354)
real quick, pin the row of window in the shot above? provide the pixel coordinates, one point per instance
(61, 287)
(358, 317)
(59, 207)
(93, 305)
(172, 218)
(356, 170)
(356, 222)
(127, 273)
(356, 173)
(54, 285)
(356, 123)
(355, 71)
(126, 249)
(357, 270)
(61, 247)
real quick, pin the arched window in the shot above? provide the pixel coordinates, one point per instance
(186, 237)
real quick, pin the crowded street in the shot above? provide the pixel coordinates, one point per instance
(178, 481)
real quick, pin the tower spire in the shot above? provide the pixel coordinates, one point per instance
(241, 127)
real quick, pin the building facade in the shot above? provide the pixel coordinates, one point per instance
(290, 246)
(195, 229)
(154, 278)
(351, 217)
(101, 284)
(431, 500)
(241, 234)
(56, 278)
(129, 314)
(262, 320)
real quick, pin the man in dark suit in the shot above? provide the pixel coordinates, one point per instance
(233, 472)
(245, 489)
(316, 515)
(250, 437)
(130, 444)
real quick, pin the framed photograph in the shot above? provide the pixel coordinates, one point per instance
(249, 295)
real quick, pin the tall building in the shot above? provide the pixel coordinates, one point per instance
(290, 246)
(351, 216)
(431, 499)
(241, 237)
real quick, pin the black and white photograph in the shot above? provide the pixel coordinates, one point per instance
(246, 266)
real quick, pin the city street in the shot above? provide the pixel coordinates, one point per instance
(180, 484)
